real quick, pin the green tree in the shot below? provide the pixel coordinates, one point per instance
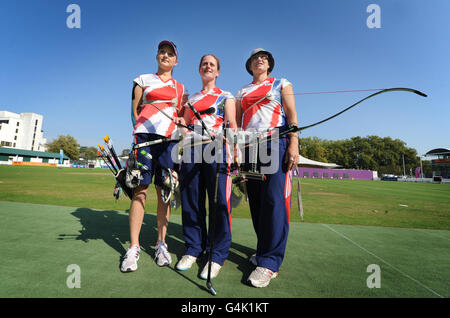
(312, 148)
(68, 144)
(89, 153)
(384, 155)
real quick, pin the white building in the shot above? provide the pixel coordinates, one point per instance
(22, 131)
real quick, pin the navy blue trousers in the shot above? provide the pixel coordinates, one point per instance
(198, 180)
(270, 205)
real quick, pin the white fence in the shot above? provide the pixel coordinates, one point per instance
(422, 180)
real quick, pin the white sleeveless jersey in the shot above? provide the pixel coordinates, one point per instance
(214, 101)
(261, 104)
(167, 96)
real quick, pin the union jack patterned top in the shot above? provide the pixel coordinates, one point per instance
(261, 104)
(214, 101)
(167, 96)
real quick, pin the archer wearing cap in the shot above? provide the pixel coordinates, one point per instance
(255, 54)
(268, 103)
(157, 101)
(170, 44)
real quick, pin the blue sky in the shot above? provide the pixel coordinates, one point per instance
(80, 80)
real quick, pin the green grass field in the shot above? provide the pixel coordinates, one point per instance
(378, 203)
(51, 218)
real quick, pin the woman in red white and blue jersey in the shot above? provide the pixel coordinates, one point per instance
(268, 103)
(215, 108)
(157, 101)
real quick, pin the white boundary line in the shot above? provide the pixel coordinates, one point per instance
(365, 250)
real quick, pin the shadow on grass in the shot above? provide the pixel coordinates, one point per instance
(243, 263)
(113, 228)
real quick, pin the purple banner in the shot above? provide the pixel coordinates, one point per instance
(335, 173)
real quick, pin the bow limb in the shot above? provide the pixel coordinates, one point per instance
(360, 101)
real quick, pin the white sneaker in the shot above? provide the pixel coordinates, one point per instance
(252, 260)
(215, 268)
(162, 255)
(129, 263)
(261, 276)
(186, 262)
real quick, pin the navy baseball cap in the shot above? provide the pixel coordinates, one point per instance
(169, 43)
